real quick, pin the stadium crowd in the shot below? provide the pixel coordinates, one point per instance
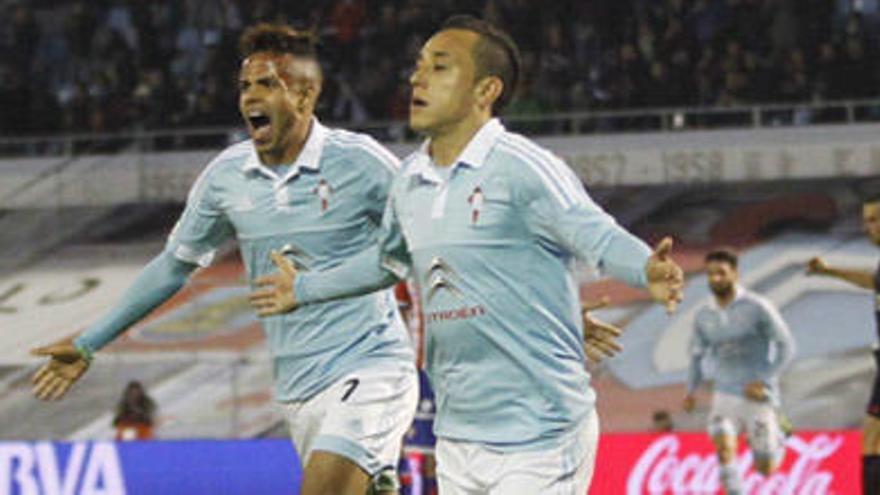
(124, 64)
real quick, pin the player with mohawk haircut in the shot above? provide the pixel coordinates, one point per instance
(310, 195)
(278, 38)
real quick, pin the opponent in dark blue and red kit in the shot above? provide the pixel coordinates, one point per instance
(871, 281)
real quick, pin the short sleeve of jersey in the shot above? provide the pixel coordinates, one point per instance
(202, 227)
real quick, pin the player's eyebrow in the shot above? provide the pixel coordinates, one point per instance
(424, 54)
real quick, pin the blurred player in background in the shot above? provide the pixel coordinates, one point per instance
(344, 371)
(489, 224)
(135, 413)
(750, 344)
(869, 280)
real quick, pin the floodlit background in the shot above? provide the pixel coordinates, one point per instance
(744, 123)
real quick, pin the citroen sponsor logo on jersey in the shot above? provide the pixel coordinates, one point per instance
(324, 192)
(476, 200)
(442, 277)
(462, 313)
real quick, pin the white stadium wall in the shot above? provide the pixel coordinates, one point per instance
(618, 160)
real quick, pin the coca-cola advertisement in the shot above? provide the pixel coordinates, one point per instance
(816, 463)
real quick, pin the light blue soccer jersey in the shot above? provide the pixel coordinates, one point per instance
(327, 207)
(748, 341)
(492, 251)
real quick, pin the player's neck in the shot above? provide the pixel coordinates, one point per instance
(448, 144)
(291, 147)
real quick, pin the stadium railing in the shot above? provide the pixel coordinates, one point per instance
(566, 123)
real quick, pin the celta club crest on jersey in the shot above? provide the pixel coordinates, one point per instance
(476, 200)
(324, 191)
(441, 276)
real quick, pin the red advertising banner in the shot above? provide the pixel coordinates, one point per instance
(816, 463)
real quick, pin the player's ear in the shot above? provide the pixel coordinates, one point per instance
(307, 95)
(488, 90)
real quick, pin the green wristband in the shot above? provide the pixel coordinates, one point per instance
(85, 352)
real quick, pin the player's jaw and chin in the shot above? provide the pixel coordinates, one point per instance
(436, 114)
(279, 136)
(721, 289)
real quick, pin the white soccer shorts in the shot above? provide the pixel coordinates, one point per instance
(469, 468)
(363, 416)
(732, 414)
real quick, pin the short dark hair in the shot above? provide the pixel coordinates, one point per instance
(724, 256)
(495, 54)
(661, 414)
(279, 39)
(874, 198)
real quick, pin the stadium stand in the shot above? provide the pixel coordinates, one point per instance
(118, 64)
(110, 108)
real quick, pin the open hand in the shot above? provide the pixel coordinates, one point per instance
(600, 338)
(817, 266)
(665, 277)
(689, 403)
(756, 391)
(66, 365)
(274, 294)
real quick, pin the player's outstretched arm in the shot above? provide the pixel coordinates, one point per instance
(859, 278)
(378, 267)
(156, 283)
(286, 289)
(564, 212)
(600, 338)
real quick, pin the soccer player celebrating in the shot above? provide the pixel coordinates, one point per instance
(867, 280)
(344, 371)
(750, 343)
(489, 223)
